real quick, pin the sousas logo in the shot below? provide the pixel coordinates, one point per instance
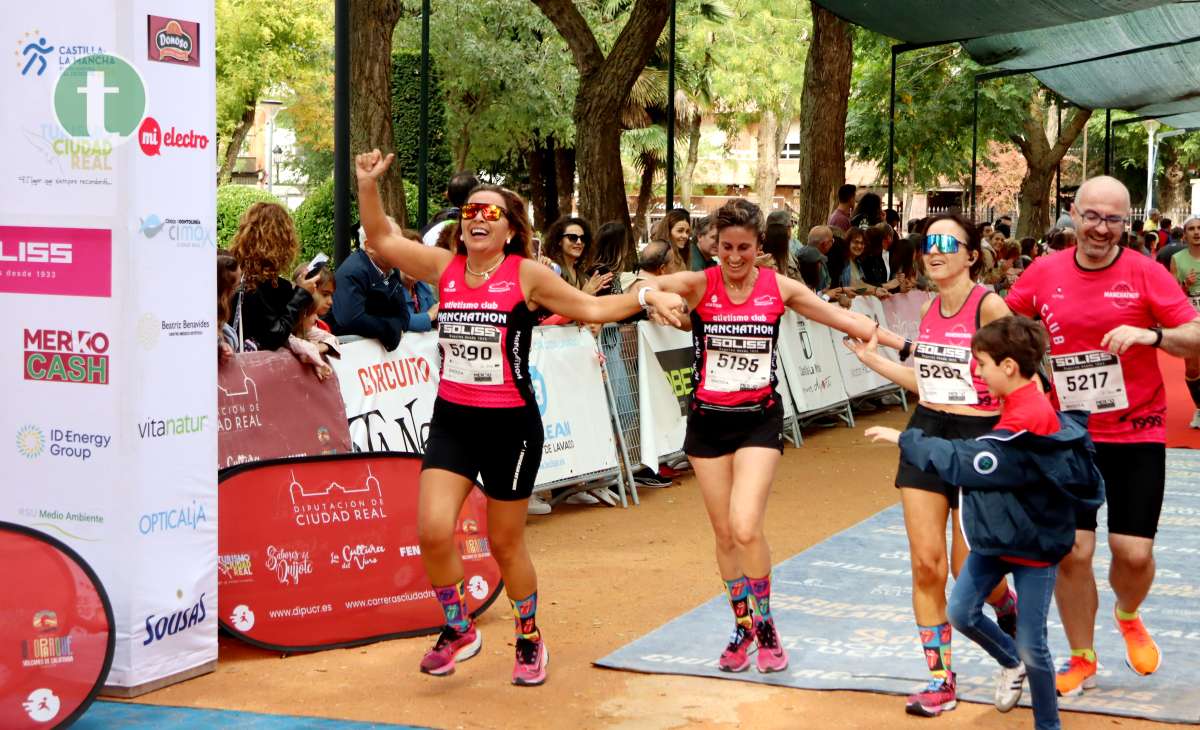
(154, 428)
(160, 627)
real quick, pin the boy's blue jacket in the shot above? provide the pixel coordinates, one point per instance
(1019, 490)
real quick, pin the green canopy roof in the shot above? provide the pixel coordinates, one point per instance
(1099, 54)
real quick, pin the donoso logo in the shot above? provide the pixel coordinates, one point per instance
(57, 261)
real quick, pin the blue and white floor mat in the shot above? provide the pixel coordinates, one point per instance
(843, 609)
(130, 716)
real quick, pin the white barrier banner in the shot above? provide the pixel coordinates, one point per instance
(389, 396)
(567, 382)
(664, 389)
(807, 354)
(107, 253)
(903, 313)
(859, 378)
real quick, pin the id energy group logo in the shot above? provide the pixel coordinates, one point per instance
(30, 442)
(100, 96)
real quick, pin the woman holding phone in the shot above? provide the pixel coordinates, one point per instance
(955, 404)
(485, 420)
(735, 428)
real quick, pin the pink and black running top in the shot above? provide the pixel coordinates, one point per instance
(943, 357)
(483, 337)
(733, 345)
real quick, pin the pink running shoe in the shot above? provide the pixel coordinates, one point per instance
(451, 646)
(532, 658)
(938, 696)
(736, 657)
(771, 656)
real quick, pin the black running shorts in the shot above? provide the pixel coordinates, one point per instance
(501, 447)
(947, 426)
(1135, 477)
(713, 433)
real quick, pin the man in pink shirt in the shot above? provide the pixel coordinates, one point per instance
(1106, 312)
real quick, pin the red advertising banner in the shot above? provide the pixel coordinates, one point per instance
(271, 406)
(56, 628)
(74, 262)
(170, 40)
(322, 552)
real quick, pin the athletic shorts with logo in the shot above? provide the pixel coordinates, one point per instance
(501, 447)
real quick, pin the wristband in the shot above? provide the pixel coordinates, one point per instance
(1158, 335)
(907, 349)
(641, 297)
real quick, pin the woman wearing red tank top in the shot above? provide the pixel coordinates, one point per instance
(955, 404)
(485, 421)
(735, 429)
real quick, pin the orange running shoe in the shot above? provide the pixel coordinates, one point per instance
(1141, 653)
(1075, 676)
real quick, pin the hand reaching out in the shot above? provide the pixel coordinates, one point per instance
(882, 433)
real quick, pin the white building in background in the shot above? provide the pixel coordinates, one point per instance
(265, 156)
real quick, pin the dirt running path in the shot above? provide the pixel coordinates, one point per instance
(608, 576)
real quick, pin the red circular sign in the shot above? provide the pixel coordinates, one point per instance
(56, 639)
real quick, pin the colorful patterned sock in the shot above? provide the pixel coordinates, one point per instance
(1088, 654)
(525, 613)
(454, 605)
(738, 591)
(936, 641)
(760, 588)
(1007, 605)
(1193, 387)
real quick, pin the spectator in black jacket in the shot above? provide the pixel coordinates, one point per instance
(264, 247)
(368, 301)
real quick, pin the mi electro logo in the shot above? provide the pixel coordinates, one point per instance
(152, 139)
(63, 356)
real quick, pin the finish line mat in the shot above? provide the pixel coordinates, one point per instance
(133, 716)
(843, 608)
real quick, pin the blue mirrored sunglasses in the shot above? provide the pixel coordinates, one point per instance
(943, 242)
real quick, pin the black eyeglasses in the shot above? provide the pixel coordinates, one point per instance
(1093, 218)
(574, 237)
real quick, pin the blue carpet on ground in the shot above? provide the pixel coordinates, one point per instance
(843, 608)
(135, 716)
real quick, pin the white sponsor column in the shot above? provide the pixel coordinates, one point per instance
(107, 273)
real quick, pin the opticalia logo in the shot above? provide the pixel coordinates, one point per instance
(152, 139)
(155, 428)
(65, 356)
(183, 232)
(100, 97)
(173, 41)
(60, 261)
(172, 519)
(160, 627)
(64, 443)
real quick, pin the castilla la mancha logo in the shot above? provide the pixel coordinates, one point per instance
(100, 97)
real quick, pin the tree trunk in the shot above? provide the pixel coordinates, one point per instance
(604, 85)
(564, 172)
(233, 146)
(823, 105)
(1042, 160)
(689, 165)
(645, 194)
(371, 25)
(767, 172)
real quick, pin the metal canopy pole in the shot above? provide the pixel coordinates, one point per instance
(892, 127)
(1058, 166)
(341, 132)
(1108, 141)
(974, 149)
(671, 116)
(423, 152)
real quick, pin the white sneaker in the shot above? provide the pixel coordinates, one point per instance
(581, 498)
(1009, 684)
(537, 506)
(1195, 420)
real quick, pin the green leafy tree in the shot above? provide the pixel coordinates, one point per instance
(262, 47)
(406, 111)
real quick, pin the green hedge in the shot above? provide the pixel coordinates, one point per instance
(232, 202)
(406, 117)
(314, 221)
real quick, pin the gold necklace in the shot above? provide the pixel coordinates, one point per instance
(489, 272)
(739, 289)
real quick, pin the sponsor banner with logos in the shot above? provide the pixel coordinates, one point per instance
(271, 406)
(565, 369)
(57, 629)
(856, 377)
(322, 552)
(389, 396)
(664, 389)
(107, 210)
(807, 356)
